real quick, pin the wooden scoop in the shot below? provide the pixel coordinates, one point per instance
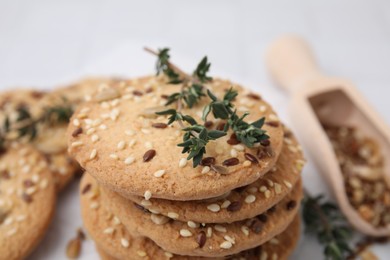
(318, 99)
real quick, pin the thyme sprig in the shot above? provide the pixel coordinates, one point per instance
(197, 136)
(26, 126)
(324, 220)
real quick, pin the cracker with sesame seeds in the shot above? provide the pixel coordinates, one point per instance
(234, 205)
(180, 238)
(99, 224)
(130, 107)
(27, 200)
(50, 139)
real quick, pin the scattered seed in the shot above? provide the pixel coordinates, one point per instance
(121, 145)
(86, 188)
(254, 96)
(73, 248)
(205, 169)
(149, 155)
(77, 131)
(209, 232)
(267, 194)
(173, 215)
(159, 173)
(137, 93)
(208, 161)
(93, 154)
(265, 142)
(160, 125)
(147, 195)
(245, 230)
(185, 233)
(159, 219)
(226, 245)
(272, 123)
(109, 231)
(220, 228)
(129, 160)
(182, 162)
(231, 162)
(226, 204)
(250, 199)
(192, 224)
(233, 140)
(114, 156)
(125, 243)
(201, 239)
(251, 157)
(214, 207)
(278, 188)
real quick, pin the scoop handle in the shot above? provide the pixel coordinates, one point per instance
(291, 63)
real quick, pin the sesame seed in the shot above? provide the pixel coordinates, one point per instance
(103, 127)
(278, 188)
(233, 153)
(159, 173)
(146, 203)
(192, 224)
(220, 228)
(169, 255)
(264, 255)
(94, 138)
(114, 156)
(148, 145)
(147, 195)
(20, 218)
(76, 122)
(230, 239)
(132, 143)
(246, 163)
(94, 205)
(8, 221)
(214, 207)
(129, 160)
(274, 241)
(209, 232)
(292, 148)
(263, 189)
(129, 132)
(250, 199)
(77, 143)
(173, 215)
(267, 194)
(239, 147)
(225, 204)
(273, 117)
(145, 131)
(205, 169)
(182, 162)
(116, 221)
(90, 131)
(141, 253)
(245, 230)
(270, 183)
(93, 154)
(121, 145)
(109, 231)
(159, 219)
(226, 245)
(185, 233)
(125, 243)
(288, 184)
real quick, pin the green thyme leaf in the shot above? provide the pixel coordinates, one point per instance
(201, 70)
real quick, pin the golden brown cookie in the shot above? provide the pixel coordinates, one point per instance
(224, 239)
(112, 138)
(114, 242)
(63, 167)
(27, 201)
(50, 139)
(242, 203)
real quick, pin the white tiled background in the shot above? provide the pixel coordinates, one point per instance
(45, 43)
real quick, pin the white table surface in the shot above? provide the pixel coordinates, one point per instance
(49, 43)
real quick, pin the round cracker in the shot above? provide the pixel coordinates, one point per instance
(117, 130)
(27, 201)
